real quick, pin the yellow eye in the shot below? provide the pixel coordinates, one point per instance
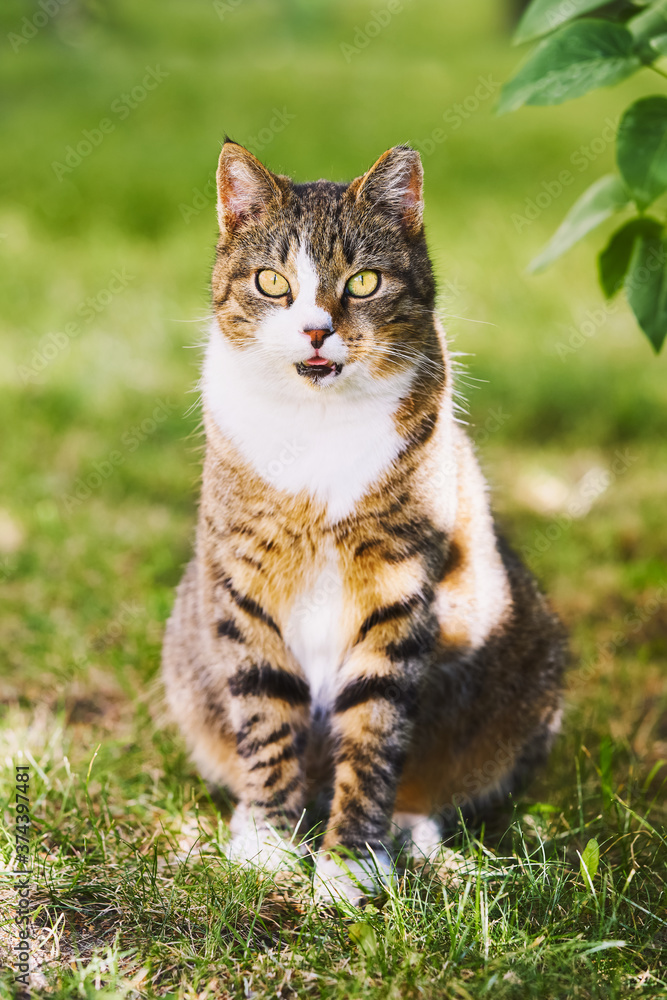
(363, 284)
(271, 283)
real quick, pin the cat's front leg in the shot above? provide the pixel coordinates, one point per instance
(268, 710)
(372, 723)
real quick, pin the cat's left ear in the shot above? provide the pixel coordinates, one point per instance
(396, 185)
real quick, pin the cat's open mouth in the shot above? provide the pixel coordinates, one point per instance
(317, 369)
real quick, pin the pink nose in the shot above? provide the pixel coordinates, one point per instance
(317, 337)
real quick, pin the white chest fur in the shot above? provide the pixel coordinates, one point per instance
(332, 443)
(314, 632)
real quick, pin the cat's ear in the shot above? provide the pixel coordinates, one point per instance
(395, 185)
(245, 188)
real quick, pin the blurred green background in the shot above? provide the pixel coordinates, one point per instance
(113, 114)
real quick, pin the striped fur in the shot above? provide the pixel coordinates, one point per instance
(350, 621)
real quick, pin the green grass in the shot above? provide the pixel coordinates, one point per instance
(99, 478)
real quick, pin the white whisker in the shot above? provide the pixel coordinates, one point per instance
(467, 319)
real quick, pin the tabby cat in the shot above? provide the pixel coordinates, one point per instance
(351, 625)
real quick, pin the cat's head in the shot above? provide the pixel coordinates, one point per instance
(324, 285)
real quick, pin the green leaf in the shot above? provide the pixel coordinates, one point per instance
(600, 201)
(614, 260)
(659, 44)
(544, 16)
(364, 937)
(589, 861)
(641, 149)
(651, 22)
(646, 287)
(578, 58)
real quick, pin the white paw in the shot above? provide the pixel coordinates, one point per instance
(420, 835)
(255, 842)
(351, 880)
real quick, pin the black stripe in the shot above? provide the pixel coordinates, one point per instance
(362, 817)
(408, 551)
(413, 531)
(250, 607)
(391, 756)
(374, 781)
(452, 561)
(283, 247)
(290, 816)
(364, 688)
(280, 797)
(273, 778)
(375, 786)
(418, 643)
(356, 807)
(359, 845)
(371, 543)
(247, 726)
(251, 562)
(270, 682)
(400, 318)
(287, 754)
(242, 529)
(227, 628)
(399, 503)
(387, 614)
(423, 431)
(418, 538)
(250, 749)
(420, 434)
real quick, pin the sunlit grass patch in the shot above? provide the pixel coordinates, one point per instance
(132, 892)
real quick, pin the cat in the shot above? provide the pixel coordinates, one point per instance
(351, 625)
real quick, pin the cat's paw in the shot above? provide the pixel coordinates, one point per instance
(419, 835)
(256, 842)
(352, 880)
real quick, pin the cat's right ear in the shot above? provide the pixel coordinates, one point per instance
(245, 188)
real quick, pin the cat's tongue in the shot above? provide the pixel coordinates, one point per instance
(319, 361)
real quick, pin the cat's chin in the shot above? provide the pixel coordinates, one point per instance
(320, 374)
